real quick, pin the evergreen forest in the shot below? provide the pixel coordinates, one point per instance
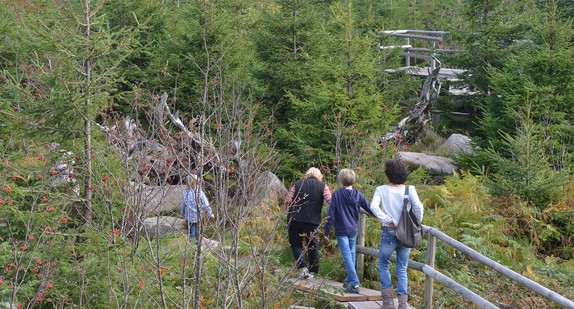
(107, 106)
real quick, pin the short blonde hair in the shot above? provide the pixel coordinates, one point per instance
(315, 173)
(346, 177)
(192, 181)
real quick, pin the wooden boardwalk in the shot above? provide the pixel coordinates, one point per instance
(365, 299)
(444, 73)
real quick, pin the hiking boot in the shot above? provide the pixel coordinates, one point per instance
(402, 301)
(351, 288)
(388, 302)
(304, 273)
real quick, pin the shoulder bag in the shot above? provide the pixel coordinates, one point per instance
(409, 232)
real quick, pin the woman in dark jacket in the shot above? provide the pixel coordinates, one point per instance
(304, 205)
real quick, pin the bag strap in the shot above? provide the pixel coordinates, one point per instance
(406, 199)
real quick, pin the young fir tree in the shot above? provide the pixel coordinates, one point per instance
(540, 73)
(487, 40)
(286, 41)
(70, 78)
(525, 168)
(343, 96)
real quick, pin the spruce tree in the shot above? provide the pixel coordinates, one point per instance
(343, 97)
(540, 73)
(72, 74)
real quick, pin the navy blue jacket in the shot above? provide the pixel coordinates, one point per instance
(344, 212)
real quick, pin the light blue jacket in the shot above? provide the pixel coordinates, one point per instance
(189, 205)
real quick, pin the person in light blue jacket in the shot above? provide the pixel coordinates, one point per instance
(194, 202)
(387, 205)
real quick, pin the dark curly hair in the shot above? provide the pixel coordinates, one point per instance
(396, 171)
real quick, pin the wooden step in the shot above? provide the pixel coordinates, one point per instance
(335, 289)
(371, 305)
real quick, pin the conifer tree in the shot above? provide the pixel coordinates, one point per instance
(540, 74)
(343, 95)
(72, 74)
(488, 39)
(524, 168)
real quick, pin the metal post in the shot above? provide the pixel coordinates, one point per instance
(360, 258)
(431, 249)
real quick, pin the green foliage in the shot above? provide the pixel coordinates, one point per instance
(539, 75)
(527, 172)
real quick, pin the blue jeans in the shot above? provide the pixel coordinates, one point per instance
(347, 245)
(389, 244)
(192, 229)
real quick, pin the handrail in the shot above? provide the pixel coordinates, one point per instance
(428, 35)
(431, 273)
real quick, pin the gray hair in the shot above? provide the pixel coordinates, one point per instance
(315, 173)
(346, 177)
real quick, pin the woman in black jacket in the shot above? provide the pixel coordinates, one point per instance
(304, 205)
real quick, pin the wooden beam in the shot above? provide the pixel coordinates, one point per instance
(421, 37)
(413, 31)
(417, 56)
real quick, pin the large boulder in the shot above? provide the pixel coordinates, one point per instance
(457, 144)
(269, 191)
(162, 225)
(435, 165)
(156, 199)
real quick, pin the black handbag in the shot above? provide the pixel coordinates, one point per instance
(409, 232)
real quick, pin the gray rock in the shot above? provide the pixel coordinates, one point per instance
(435, 165)
(163, 225)
(269, 191)
(155, 199)
(457, 144)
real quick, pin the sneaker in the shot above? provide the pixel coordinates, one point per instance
(304, 273)
(351, 288)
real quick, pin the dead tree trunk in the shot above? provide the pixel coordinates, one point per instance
(411, 126)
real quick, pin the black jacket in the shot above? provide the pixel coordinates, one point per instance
(307, 202)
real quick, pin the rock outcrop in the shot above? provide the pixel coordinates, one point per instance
(457, 144)
(435, 165)
(162, 225)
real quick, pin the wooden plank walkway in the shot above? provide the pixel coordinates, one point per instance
(365, 299)
(335, 289)
(444, 73)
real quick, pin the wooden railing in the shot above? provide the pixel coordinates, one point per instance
(432, 274)
(419, 53)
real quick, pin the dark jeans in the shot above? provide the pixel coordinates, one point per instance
(299, 234)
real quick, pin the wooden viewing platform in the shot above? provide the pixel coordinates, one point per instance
(444, 73)
(365, 299)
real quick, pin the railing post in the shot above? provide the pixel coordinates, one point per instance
(408, 63)
(360, 258)
(431, 249)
